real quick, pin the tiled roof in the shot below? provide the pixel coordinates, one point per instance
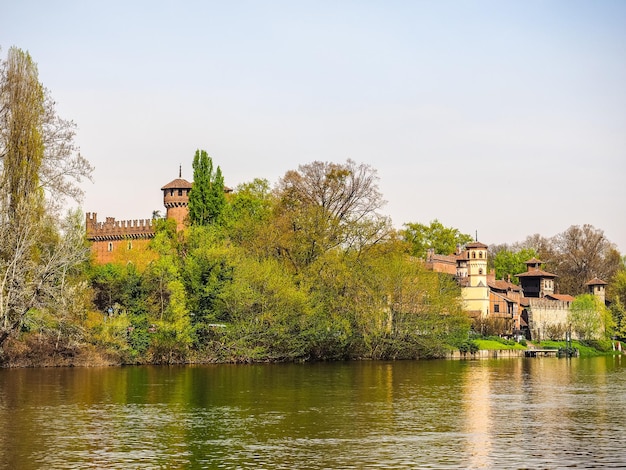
(536, 273)
(562, 297)
(178, 183)
(534, 261)
(444, 258)
(476, 244)
(503, 285)
(595, 282)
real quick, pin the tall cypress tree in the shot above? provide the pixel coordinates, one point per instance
(206, 199)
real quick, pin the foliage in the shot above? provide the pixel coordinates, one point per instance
(471, 347)
(509, 263)
(40, 253)
(576, 256)
(556, 331)
(326, 206)
(206, 198)
(589, 318)
(491, 326)
(587, 348)
(443, 240)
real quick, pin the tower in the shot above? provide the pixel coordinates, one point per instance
(597, 287)
(536, 282)
(476, 291)
(477, 264)
(176, 200)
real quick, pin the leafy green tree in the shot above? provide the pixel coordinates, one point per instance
(206, 198)
(206, 270)
(267, 311)
(248, 213)
(589, 318)
(618, 313)
(616, 293)
(21, 129)
(443, 240)
(509, 263)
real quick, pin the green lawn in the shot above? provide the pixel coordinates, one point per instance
(491, 344)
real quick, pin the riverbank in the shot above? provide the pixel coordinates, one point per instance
(32, 352)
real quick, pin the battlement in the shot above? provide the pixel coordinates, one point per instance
(113, 229)
(548, 304)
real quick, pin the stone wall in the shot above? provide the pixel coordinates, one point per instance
(546, 313)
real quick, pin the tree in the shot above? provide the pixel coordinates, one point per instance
(21, 129)
(37, 150)
(38, 252)
(589, 318)
(248, 214)
(36, 263)
(509, 263)
(443, 240)
(323, 206)
(206, 198)
(582, 253)
(616, 292)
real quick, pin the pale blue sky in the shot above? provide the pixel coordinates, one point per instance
(515, 107)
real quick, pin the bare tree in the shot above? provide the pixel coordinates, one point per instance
(36, 264)
(583, 253)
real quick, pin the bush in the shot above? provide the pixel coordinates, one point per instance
(468, 347)
(604, 345)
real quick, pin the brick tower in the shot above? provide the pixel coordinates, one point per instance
(176, 200)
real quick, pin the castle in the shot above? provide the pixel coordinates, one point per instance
(117, 240)
(531, 309)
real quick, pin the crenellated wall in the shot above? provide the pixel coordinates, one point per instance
(119, 241)
(112, 229)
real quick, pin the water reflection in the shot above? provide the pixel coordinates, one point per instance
(508, 413)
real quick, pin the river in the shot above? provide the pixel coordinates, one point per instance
(444, 414)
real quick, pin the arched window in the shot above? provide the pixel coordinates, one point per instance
(110, 247)
(480, 254)
(480, 271)
(473, 254)
(130, 245)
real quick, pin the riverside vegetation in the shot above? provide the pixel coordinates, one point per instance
(308, 269)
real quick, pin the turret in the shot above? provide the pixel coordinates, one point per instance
(597, 287)
(176, 200)
(477, 263)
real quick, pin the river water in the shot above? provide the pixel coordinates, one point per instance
(501, 413)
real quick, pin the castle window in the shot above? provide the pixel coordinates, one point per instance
(130, 245)
(171, 192)
(180, 192)
(480, 271)
(473, 254)
(480, 254)
(110, 247)
(496, 308)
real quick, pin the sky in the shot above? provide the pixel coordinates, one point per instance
(499, 118)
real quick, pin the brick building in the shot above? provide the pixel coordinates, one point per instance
(122, 241)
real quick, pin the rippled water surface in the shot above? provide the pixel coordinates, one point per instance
(506, 413)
